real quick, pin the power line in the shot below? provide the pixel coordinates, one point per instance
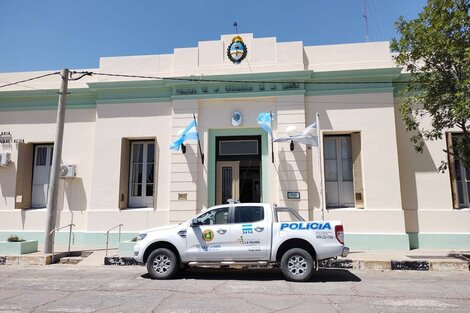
(29, 79)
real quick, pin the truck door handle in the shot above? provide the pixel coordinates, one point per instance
(221, 231)
(259, 229)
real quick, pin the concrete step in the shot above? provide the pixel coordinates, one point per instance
(86, 254)
(71, 259)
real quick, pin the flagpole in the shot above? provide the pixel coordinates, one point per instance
(272, 143)
(320, 143)
(198, 140)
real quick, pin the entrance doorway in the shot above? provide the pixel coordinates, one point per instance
(238, 169)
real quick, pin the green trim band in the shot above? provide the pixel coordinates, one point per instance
(229, 86)
(81, 239)
(376, 241)
(353, 241)
(439, 241)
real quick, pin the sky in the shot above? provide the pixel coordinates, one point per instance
(40, 35)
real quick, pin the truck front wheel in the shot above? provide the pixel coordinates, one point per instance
(162, 264)
(297, 265)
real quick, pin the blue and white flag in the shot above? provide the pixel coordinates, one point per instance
(307, 137)
(189, 133)
(264, 121)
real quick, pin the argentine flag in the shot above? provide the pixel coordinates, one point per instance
(264, 121)
(189, 133)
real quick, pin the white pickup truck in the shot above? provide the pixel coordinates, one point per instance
(251, 234)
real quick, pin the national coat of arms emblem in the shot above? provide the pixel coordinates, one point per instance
(237, 51)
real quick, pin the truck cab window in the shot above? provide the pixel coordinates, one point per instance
(249, 214)
(214, 217)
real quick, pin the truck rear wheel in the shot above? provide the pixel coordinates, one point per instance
(162, 264)
(297, 265)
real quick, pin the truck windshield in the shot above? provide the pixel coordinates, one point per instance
(287, 215)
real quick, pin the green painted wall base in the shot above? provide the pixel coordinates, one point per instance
(16, 248)
(88, 240)
(377, 241)
(81, 240)
(414, 240)
(126, 248)
(439, 241)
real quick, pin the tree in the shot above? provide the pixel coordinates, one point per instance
(435, 50)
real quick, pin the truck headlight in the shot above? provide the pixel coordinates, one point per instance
(141, 237)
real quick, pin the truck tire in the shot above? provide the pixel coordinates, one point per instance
(162, 264)
(297, 265)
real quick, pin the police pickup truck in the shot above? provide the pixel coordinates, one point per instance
(247, 234)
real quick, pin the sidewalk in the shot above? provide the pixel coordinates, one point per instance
(372, 260)
(418, 259)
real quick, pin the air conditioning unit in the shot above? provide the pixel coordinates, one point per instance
(5, 159)
(68, 171)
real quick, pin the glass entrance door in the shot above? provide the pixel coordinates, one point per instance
(228, 180)
(238, 169)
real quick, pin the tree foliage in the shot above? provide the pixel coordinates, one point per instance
(435, 50)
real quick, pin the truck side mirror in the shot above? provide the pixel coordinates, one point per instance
(195, 222)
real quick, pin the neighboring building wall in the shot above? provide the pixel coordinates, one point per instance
(431, 220)
(39, 127)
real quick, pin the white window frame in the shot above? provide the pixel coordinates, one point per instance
(49, 151)
(142, 201)
(339, 170)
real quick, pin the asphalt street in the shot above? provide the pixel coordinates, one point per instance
(66, 288)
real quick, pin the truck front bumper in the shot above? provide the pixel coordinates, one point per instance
(138, 253)
(345, 252)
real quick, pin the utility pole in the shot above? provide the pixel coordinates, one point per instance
(53, 192)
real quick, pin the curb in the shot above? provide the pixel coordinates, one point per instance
(120, 261)
(394, 265)
(371, 265)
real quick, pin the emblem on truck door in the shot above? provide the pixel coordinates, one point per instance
(247, 228)
(207, 235)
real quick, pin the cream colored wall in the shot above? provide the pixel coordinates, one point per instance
(349, 56)
(291, 166)
(185, 168)
(40, 127)
(373, 116)
(133, 121)
(210, 58)
(427, 194)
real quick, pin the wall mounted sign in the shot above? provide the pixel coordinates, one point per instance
(293, 195)
(237, 50)
(6, 137)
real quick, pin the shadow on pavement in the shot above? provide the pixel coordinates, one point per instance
(322, 276)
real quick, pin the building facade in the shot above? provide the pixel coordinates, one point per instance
(119, 127)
